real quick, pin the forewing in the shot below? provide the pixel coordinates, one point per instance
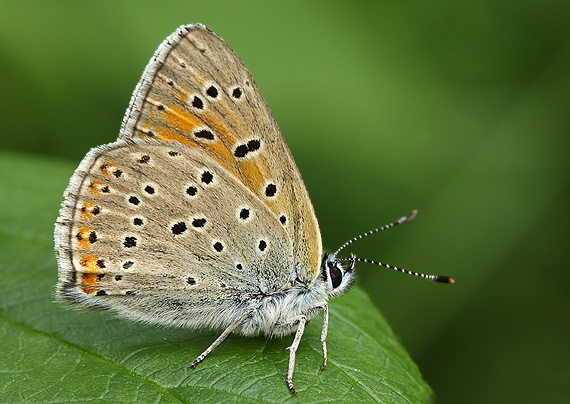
(197, 92)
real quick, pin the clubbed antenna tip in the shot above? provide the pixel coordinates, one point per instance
(411, 216)
(444, 279)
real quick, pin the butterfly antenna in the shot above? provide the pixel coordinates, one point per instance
(402, 220)
(435, 278)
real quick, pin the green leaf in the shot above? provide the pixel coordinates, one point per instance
(53, 353)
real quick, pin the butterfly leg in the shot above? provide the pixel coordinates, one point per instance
(297, 340)
(324, 334)
(293, 350)
(222, 337)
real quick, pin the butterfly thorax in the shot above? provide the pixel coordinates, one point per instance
(277, 314)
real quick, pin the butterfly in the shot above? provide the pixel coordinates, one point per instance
(197, 216)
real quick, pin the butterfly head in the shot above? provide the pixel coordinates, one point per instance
(336, 276)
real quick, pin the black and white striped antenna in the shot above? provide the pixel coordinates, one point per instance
(402, 220)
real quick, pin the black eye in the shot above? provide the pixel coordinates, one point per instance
(336, 276)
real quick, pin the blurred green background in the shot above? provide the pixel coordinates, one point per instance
(458, 109)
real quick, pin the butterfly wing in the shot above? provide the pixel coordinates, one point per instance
(197, 92)
(148, 229)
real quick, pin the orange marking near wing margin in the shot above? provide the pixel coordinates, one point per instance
(95, 188)
(83, 237)
(105, 169)
(87, 211)
(89, 262)
(180, 119)
(89, 282)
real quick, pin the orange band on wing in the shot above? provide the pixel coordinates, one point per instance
(86, 236)
(89, 263)
(180, 119)
(88, 210)
(106, 169)
(251, 175)
(95, 188)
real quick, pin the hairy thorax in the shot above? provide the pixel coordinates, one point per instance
(278, 314)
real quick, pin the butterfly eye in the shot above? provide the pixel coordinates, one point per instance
(336, 276)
